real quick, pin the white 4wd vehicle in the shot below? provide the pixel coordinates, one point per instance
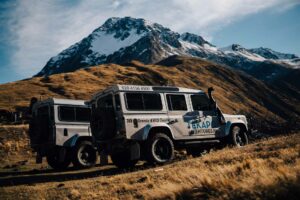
(60, 130)
(131, 122)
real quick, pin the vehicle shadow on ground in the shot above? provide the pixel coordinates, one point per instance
(48, 175)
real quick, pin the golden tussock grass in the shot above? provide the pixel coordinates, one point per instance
(268, 169)
(235, 91)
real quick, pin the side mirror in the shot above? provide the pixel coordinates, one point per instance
(212, 102)
(209, 92)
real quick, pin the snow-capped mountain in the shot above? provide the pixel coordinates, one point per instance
(120, 40)
(270, 54)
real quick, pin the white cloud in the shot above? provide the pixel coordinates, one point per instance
(41, 29)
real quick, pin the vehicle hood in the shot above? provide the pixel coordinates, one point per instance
(235, 118)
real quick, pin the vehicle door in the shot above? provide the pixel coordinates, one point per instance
(205, 120)
(142, 109)
(177, 108)
(43, 128)
(120, 124)
(73, 122)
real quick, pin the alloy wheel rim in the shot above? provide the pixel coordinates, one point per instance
(85, 155)
(162, 150)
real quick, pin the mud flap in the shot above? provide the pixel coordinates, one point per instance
(135, 151)
(103, 158)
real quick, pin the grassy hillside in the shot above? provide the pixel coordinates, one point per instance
(235, 91)
(267, 169)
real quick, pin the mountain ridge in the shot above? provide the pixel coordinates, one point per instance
(120, 40)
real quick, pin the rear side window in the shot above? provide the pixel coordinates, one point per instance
(200, 102)
(66, 113)
(176, 102)
(74, 114)
(143, 101)
(82, 114)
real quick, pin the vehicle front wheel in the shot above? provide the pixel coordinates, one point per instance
(238, 136)
(160, 149)
(55, 163)
(84, 155)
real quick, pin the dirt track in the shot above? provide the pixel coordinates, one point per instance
(268, 169)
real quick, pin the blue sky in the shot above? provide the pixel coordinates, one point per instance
(33, 31)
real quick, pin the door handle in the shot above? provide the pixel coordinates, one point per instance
(65, 132)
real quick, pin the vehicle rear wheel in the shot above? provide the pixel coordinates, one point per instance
(84, 155)
(238, 137)
(55, 163)
(122, 160)
(160, 149)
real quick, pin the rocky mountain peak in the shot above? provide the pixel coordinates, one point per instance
(121, 40)
(237, 47)
(193, 38)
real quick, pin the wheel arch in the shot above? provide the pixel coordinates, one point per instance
(83, 138)
(239, 124)
(76, 139)
(160, 129)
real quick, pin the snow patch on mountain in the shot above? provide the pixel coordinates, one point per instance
(107, 44)
(238, 50)
(271, 54)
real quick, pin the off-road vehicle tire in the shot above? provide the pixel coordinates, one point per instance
(159, 149)
(122, 160)
(54, 163)
(84, 155)
(238, 137)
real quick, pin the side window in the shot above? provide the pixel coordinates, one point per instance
(134, 101)
(152, 101)
(143, 101)
(200, 102)
(74, 114)
(176, 102)
(83, 114)
(66, 113)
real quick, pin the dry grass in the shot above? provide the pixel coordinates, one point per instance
(14, 144)
(235, 91)
(268, 169)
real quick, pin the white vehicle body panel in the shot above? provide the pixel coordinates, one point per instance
(182, 125)
(65, 133)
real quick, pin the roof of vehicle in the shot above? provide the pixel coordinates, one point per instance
(147, 88)
(63, 102)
